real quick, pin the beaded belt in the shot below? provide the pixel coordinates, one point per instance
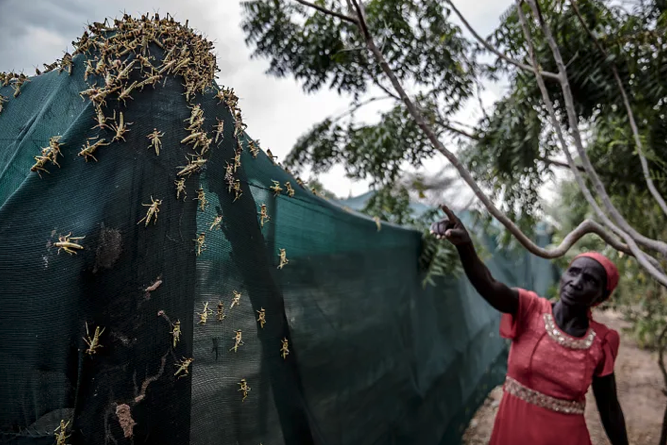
(542, 400)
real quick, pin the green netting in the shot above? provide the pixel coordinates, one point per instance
(374, 358)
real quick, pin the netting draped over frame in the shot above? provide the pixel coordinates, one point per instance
(188, 328)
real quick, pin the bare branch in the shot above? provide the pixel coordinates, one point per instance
(443, 123)
(479, 99)
(358, 105)
(458, 131)
(631, 115)
(361, 16)
(556, 124)
(446, 124)
(649, 263)
(384, 89)
(506, 58)
(463, 124)
(472, 136)
(588, 226)
(326, 11)
(559, 164)
(574, 123)
(584, 228)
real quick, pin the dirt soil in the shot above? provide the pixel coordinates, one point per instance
(639, 383)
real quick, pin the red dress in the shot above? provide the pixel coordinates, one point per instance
(548, 374)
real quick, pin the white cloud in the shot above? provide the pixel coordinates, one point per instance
(45, 39)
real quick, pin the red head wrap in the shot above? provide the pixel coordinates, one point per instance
(607, 264)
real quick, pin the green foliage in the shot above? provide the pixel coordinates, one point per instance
(437, 259)
(319, 50)
(376, 152)
(391, 204)
(426, 51)
(513, 139)
(508, 153)
(511, 150)
(647, 317)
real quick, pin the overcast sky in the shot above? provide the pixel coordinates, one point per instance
(276, 110)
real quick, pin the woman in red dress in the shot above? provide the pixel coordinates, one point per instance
(558, 351)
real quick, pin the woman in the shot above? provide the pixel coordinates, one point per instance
(557, 350)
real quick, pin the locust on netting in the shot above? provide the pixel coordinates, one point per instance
(94, 342)
(66, 243)
(152, 212)
(183, 366)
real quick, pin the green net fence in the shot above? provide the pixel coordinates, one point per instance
(189, 327)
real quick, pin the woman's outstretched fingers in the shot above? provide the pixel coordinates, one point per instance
(449, 213)
(450, 228)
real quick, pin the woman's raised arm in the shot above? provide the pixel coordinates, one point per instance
(497, 294)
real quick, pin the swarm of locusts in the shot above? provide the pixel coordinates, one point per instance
(121, 60)
(126, 56)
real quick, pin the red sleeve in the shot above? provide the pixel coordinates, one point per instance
(610, 344)
(511, 324)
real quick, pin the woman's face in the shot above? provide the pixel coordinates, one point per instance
(583, 283)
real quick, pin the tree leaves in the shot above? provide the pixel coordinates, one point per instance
(510, 150)
(517, 138)
(317, 49)
(375, 152)
(323, 51)
(511, 144)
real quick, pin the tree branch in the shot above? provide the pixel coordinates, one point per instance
(576, 135)
(326, 11)
(444, 124)
(471, 136)
(358, 105)
(590, 226)
(649, 263)
(385, 89)
(559, 164)
(506, 58)
(352, 20)
(556, 124)
(479, 99)
(361, 16)
(463, 124)
(584, 228)
(457, 130)
(631, 115)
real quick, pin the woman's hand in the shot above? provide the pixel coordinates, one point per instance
(496, 293)
(450, 228)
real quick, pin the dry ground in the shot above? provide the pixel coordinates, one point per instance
(639, 390)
